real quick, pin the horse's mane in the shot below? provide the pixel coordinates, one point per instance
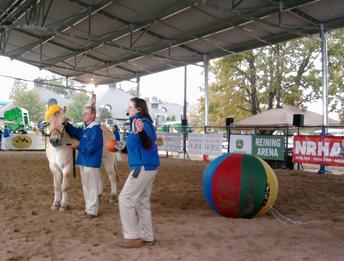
(107, 132)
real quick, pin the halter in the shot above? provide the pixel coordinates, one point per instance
(61, 133)
(58, 131)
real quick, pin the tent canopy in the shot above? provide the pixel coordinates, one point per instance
(104, 41)
(283, 117)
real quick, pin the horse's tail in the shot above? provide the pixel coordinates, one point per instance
(116, 171)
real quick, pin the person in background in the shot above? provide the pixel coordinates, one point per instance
(23, 130)
(143, 159)
(119, 142)
(0, 137)
(90, 151)
(116, 132)
(6, 137)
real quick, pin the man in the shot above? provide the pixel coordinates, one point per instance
(0, 137)
(6, 137)
(90, 150)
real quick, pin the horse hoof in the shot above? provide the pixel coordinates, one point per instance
(54, 207)
(63, 209)
(112, 198)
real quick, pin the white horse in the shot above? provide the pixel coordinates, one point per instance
(60, 157)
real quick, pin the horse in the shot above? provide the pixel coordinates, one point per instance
(60, 157)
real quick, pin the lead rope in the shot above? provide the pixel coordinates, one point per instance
(74, 172)
(283, 219)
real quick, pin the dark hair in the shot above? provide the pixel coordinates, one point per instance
(141, 105)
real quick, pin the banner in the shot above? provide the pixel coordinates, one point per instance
(170, 142)
(321, 150)
(268, 147)
(24, 142)
(204, 144)
(240, 144)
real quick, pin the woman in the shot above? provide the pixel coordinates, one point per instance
(134, 200)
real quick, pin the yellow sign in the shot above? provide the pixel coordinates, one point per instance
(22, 141)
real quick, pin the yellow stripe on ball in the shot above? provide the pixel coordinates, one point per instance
(273, 184)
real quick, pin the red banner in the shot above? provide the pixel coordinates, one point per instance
(321, 150)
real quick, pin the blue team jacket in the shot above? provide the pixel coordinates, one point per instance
(90, 149)
(117, 135)
(137, 155)
(6, 133)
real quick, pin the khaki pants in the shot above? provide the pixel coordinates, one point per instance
(91, 186)
(134, 206)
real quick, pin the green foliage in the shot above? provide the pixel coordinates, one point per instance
(172, 118)
(57, 85)
(270, 77)
(132, 91)
(104, 113)
(76, 108)
(336, 72)
(28, 99)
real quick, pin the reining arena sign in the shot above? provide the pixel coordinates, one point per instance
(321, 150)
(268, 147)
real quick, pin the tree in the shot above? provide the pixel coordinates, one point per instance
(28, 99)
(132, 91)
(76, 108)
(104, 113)
(263, 78)
(336, 72)
(58, 85)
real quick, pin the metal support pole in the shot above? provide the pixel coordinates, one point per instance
(185, 87)
(206, 79)
(184, 111)
(228, 138)
(324, 52)
(138, 85)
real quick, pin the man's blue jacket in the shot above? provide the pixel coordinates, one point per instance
(90, 149)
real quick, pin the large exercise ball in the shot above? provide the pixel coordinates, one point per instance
(239, 185)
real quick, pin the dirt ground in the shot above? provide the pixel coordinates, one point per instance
(185, 226)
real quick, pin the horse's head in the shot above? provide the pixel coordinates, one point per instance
(55, 117)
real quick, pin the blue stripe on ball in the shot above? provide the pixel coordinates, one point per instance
(208, 177)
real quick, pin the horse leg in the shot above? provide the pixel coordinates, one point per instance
(65, 185)
(57, 175)
(109, 165)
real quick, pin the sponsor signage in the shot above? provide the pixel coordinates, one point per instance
(263, 146)
(204, 144)
(241, 144)
(170, 142)
(321, 150)
(268, 147)
(25, 142)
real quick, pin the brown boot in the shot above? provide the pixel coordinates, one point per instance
(129, 243)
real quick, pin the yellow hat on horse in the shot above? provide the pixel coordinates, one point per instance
(51, 110)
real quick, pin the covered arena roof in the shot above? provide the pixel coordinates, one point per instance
(104, 41)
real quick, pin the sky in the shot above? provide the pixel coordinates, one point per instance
(167, 85)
